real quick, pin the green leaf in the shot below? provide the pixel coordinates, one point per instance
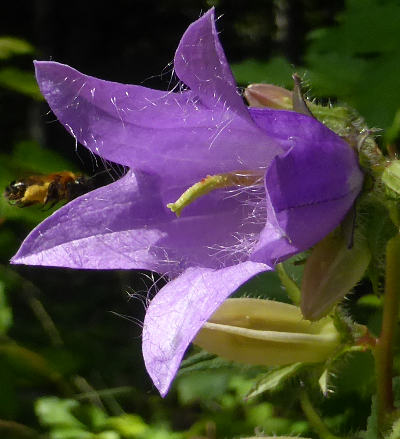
(371, 301)
(201, 386)
(260, 412)
(91, 416)
(266, 285)
(70, 433)
(356, 64)
(275, 71)
(391, 176)
(38, 159)
(159, 432)
(196, 358)
(304, 426)
(107, 435)
(393, 132)
(396, 391)
(274, 379)
(204, 363)
(395, 433)
(372, 423)
(10, 46)
(354, 373)
(128, 425)
(56, 412)
(20, 81)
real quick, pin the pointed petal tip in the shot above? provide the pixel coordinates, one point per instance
(180, 309)
(201, 64)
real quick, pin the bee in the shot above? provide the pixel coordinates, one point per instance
(47, 189)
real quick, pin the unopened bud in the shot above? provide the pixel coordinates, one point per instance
(268, 95)
(264, 332)
(330, 273)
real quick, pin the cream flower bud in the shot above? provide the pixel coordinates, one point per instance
(268, 95)
(264, 332)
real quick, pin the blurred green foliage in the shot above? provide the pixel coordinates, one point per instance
(20, 81)
(357, 61)
(13, 77)
(10, 46)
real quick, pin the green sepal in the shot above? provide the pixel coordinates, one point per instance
(274, 379)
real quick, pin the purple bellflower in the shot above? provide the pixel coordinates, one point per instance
(308, 178)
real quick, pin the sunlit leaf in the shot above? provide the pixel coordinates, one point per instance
(358, 59)
(276, 71)
(53, 411)
(202, 386)
(128, 425)
(20, 81)
(10, 46)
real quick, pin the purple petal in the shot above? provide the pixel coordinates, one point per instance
(309, 191)
(201, 64)
(126, 225)
(167, 133)
(286, 126)
(179, 311)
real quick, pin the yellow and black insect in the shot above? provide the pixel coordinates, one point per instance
(47, 189)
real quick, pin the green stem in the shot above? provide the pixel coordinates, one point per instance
(314, 419)
(384, 347)
(293, 291)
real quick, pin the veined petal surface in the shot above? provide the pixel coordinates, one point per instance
(126, 225)
(309, 190)
(180, 309)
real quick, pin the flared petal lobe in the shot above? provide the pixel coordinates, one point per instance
(178, 312)
(152, 130)
(201, 64)
(126, 225)
(204, 130)
(309, 190)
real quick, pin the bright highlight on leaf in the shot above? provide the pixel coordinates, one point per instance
(10, 46)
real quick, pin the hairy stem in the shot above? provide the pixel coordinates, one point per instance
(384, 346)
